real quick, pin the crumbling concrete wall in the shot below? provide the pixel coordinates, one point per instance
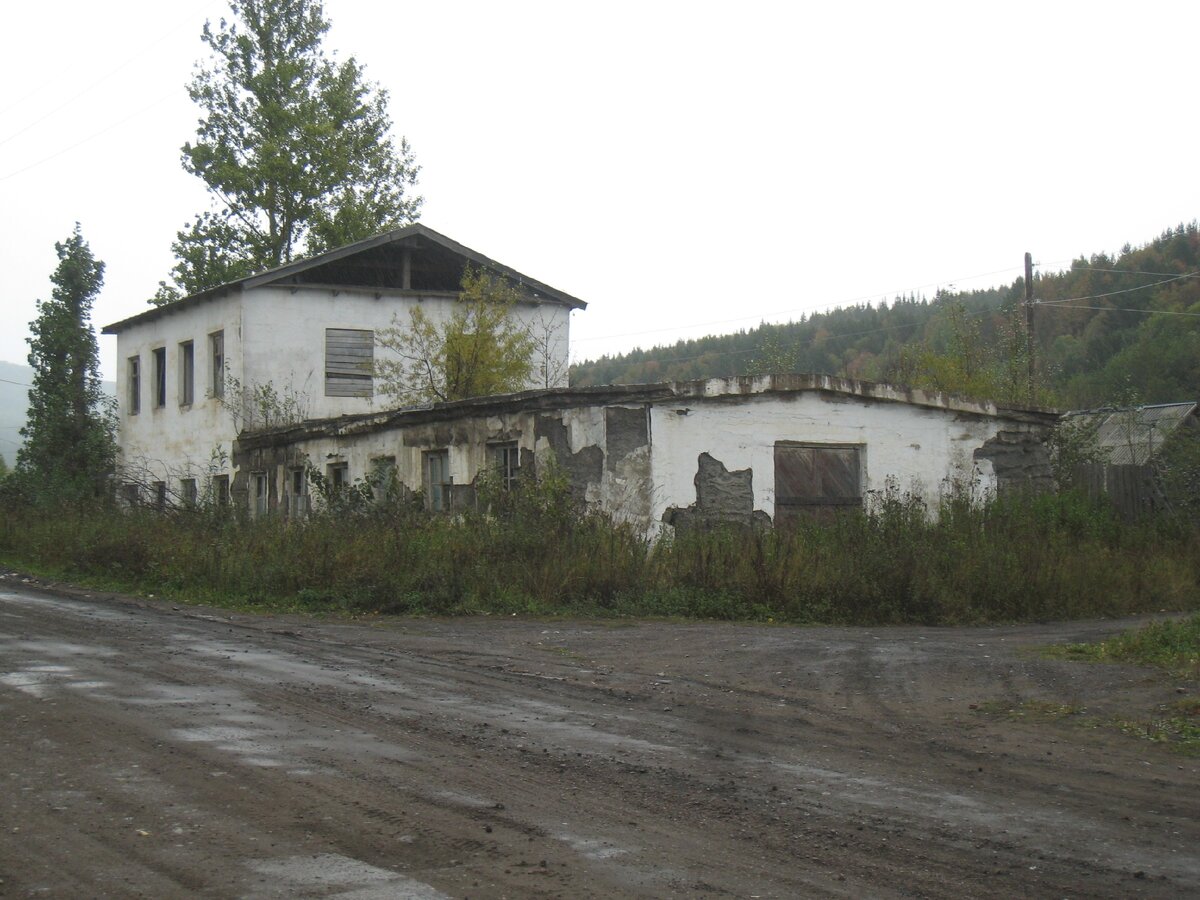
(1018, 459)
(649, 456)
(722, 497)
(584, 466)
(628, 487)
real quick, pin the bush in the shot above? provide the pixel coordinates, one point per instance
(534, 550)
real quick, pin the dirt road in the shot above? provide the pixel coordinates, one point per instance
(150, 751)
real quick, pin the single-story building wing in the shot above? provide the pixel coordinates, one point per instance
(743, 448)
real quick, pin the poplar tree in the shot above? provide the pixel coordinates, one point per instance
(294, 146)
(69, 447)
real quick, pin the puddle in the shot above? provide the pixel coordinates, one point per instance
(332, 875)
(591, 848)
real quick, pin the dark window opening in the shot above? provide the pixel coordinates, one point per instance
(135, 385)
(507, 459)
(339, 476)
(216, 348)
(220, 489)
(187, 373)
(160, 377)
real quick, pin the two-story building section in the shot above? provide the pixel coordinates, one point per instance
(297, 341)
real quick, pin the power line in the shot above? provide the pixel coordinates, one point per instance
(93, 84)
(17, 383)
(899, 292)
(1134, 272)
(90, 137)
(1148, 312)
(1114, 293)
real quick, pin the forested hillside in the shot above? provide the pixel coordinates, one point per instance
(1123, 328)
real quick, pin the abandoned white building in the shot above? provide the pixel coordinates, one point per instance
(200, 378)
(742, 449)
(298, 339)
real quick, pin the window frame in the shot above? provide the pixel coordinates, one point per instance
(219, 485)
(297, 491)
(133, 387)
(260, 483)
(216, 352)
(818, 503)
(188, 492)
(383, 474)
(338, 475)
(187, 373)
(160, 377)
(438, 493)
(506, 458)
(349, 362)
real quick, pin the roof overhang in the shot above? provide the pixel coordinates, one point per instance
(415, 235)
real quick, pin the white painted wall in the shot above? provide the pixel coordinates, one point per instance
(276, 336)
(285, 341)
(917, 446)
(177, 441)
(920, 447)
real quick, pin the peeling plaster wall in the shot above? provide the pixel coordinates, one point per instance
(174, 441)
(273, 335)
(704, 458)
(918, 447)
(468, 441)
(604, 452)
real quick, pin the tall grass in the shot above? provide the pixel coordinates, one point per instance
(1016, 558)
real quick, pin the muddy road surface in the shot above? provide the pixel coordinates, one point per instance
(153, 751)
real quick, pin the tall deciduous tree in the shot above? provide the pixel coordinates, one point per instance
(480, 349)
(69, 445)
(294, 146)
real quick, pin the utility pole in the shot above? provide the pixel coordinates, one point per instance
(1029, 319)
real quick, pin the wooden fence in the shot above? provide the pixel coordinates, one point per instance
(1133, 490)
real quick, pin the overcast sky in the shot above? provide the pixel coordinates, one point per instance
(685, 168)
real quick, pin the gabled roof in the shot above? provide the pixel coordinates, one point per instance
(1131, 435)
(431, 261)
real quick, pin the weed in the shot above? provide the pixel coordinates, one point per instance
(1173, 645)
(535, 550)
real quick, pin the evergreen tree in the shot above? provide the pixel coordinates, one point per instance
(69, 445)
(294, 146)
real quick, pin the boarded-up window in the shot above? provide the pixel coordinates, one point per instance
(349, 362)
(816, 479)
